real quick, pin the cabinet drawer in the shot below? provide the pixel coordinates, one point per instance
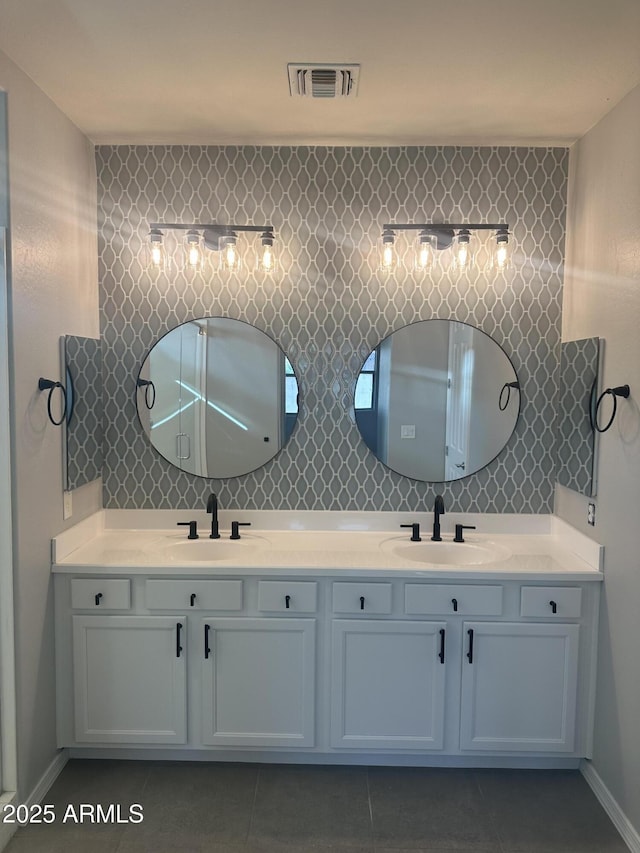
(105, 593)
(445, 599)
(362, 597)
(196, 594)
(283, 596)
(560, 602)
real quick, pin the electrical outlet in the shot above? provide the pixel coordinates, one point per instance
(591, 515)
(67, 505)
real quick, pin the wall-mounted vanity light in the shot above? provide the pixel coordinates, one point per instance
(435, 237)
(222, 239)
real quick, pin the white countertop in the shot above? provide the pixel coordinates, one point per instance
(348, 548)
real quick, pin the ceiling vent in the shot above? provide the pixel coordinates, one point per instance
(323, 80)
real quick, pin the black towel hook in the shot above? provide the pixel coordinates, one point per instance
(149, 398)
(50, 386)
(507, 387)
(618, 391)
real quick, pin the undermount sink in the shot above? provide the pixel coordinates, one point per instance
(210, 550)
(447, 553)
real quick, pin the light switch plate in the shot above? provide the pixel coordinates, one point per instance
(591, 515)
(67, 505)
(407, 431)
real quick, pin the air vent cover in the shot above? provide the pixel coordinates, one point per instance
(323, 80)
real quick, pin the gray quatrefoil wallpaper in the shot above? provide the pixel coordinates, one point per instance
(328, 306)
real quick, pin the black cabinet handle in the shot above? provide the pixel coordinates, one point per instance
(207, 649)
(362, 602)
(97, 598)
(192, 598)
(454, 601)
(553, 606)
(287, 601)
(441, 653)
(178, 636)
(470, 652)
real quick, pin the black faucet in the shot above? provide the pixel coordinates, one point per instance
(438, 510)
(212, 507)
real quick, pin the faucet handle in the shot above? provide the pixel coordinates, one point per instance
(193, 528)
(460, 528)
(235, 534)
(415, 531)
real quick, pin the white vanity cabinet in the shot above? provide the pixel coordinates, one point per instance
(129, 675)
(327, 665)
(519, 687)
(387, 684)
(258, 682)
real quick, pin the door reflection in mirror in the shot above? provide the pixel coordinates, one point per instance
(226, 397)
(427, 401)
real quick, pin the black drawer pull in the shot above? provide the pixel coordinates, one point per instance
(553, 606)
(362, 602)
(207, 648)
(470, 652)
(287, 601)
(178, 635)
(454, 601)
(97, 598)
(192, 598)
(441, 653)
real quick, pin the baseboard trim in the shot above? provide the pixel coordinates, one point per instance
(6, 829)
(629, 833)
(48, 778)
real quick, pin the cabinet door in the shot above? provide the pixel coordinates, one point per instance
(129, 679)
(258, 682)
(519, 687)
(387, 684)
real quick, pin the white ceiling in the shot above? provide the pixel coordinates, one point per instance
(207, 72)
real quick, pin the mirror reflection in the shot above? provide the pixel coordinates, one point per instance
(576, 401)
(82, 444)
(437, 400)
(217, 397)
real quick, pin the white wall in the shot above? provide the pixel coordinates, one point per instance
(602, 297)
(52, 291)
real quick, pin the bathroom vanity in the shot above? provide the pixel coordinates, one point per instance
(334, 646)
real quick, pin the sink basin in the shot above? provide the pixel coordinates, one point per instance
(210, 550)
(447, 553)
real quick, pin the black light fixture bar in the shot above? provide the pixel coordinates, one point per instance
(445, 226)
(214, 227)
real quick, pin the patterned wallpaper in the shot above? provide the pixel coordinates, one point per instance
(329, 306)
(576, 438)
(84, 431)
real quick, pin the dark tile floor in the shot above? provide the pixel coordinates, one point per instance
(248, 808)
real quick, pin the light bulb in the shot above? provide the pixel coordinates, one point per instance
(266, 258)
(156, 249)
(463, 250)
(501, 250)
(388, 259)
(424, 259)
(230, 255)
(194, 254)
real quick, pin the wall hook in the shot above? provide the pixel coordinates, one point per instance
(618, 391)
(50, 386)
(507, 387)
(149, 392)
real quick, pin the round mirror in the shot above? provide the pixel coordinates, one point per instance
(437, 400)
(217, 397)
